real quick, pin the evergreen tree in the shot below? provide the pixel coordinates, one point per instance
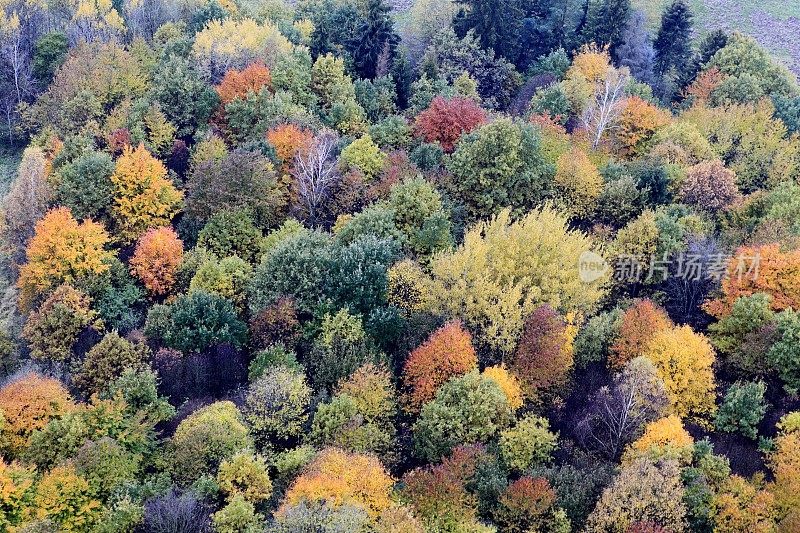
(606, 21)
(496, 24)
(636, 51)
(374, 39)
(403, 75)
(548, 25)
(673, 44)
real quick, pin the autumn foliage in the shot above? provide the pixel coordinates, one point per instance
(289, 141)
(446, 120)
(342, 478)
(684, 360)
(238, 83)
(709, 186)
(640, 323)
(544, 356)
(62, 250)
(143, 196)
(764, 269)
(156, 259)
(638, 123)
(447, 353)
(525, 505)
(27, 405)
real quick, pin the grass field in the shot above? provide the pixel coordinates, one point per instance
(774, 23)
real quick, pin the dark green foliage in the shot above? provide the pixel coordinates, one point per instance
(742, 409)
(784, 355)
(85, 187)
(596, 337)
(500, 165)
(195, 322)
(48, 54)
(496, 24)
(377, 97)
(275, 355)
(119, 299)
(231, 233)
(673, 45)
(788, 110)
(374, 39)
(317, 270)
(741, 336)
(606, 21)
(186, 100)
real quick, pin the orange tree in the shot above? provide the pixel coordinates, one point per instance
(289, 140)
(764, 269)
(156, 259)
(447, 119)
(640, 323)
(239, 83)
(447, 353)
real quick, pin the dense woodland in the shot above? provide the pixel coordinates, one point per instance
(523, 266)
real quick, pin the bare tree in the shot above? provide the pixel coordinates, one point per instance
(606, 104)
(315, 174)
(618, 414)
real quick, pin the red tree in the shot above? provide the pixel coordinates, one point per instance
(544, 355)
(446, 120)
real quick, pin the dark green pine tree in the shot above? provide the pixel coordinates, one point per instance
(374, 40)
(496, 24)
(605, 22)
(673, 43)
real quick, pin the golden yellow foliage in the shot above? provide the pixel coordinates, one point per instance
(62, 250)
(508, 383)
(684, 361)
(578, 181)
(342, 478)
(143, 196)
(663, 438)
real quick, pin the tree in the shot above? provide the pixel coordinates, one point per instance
(496, 24)
(143, 196)
(743, 336)
(107, 360)
(316, 174)
(62, 250)
(447, 353)
(84, 185)
(640, 323)
(637, 124)
(195, 322)
(446, 120)
(491, 283)
(53, 329)
(497, 165)
(709, 186)
(785, 465)
(29, 403)
(65, 498)
(642, 491)
(783, 354)
(664, 438)
(342, 478)
(743, 506)
(27, 201)
(227, 278)
(578, 183)
(364, 155)
(544, 355)
(373, 42)
(673, 43)
(684, 360)
(289, 142)
(239, 180)
(183, 94)
(245, 475)
(508, 383)
(469, 409)
(239, 83)
(419, 213)
(618, 413)
(777, 273)
(605, 105)
(742, 409)
(529, 443)
(528, 504)
(205, 438)
(156, 259)
(605, 22)
(636, 51)
(276, 406)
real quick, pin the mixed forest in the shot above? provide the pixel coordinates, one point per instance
(323, 267)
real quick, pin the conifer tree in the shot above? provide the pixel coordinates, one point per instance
(606, 21)
(673, 43)
(374, 39)
(496, 24)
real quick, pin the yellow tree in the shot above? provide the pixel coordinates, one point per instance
(143, 196)
(62, 250)
(684, 361)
